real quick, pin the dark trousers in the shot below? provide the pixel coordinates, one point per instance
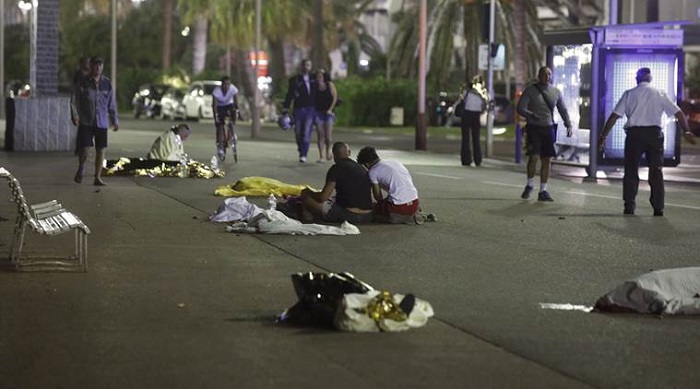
(648, 141)
(471, 125)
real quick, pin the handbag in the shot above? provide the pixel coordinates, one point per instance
(459, 108)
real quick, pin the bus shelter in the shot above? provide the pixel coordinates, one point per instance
(593, 67)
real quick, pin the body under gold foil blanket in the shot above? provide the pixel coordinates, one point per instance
(260, 187)
(142, 167)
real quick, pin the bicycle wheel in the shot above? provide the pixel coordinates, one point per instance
(233, 142)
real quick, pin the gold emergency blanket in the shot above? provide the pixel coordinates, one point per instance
(259, 186)
(141, 167)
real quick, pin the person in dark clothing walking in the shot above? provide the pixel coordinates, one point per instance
(644, 105)
(326, 99)
(93, 109)
(301, 93)
(475, 99)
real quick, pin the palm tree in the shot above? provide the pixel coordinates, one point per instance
(197, 13)
(522, 37)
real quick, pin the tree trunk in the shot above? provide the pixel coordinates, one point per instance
(278, 71)
(520, 54)
(199, 44)
(247, 80)
(167, 32)
(317, 50)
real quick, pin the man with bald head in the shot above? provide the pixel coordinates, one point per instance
(349, 180)
(643, 106)
(537, 105)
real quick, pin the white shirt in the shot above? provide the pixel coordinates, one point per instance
(307, 82)
(224, 99)
(395, 179)
(643, 106)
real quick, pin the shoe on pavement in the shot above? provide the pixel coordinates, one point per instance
(302, 159)
(526, 192)
(658, 212)
(628, 211)
(544, 196)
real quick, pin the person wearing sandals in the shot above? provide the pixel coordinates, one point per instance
(536, 105)
(325, 101)
(93, 108)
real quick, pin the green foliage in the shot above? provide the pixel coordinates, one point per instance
(90, 36)
(17, 53)
(368, 102)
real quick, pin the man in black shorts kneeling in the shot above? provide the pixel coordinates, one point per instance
(349, 180)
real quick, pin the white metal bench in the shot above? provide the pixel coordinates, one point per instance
(49, 218)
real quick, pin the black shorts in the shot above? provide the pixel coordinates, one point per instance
(223, 111)
(540, 141)
(86, 134)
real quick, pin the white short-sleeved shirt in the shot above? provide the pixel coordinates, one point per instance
(395, 179)
(643, 106)
(224, 99)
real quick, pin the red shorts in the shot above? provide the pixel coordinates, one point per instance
(384, 207)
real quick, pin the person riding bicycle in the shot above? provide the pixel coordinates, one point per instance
(224, 104)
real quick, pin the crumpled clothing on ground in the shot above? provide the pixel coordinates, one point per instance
(663, 292)
(235, 209)
(275, 222)
(259, 186)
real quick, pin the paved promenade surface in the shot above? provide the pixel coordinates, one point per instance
(173, 301)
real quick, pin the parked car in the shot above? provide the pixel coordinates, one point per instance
(146, 100)
(197, 100)
(171, 105)
(691, 109)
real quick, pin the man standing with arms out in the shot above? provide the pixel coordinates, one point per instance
(93, 108)
(643, 105)
(300, 91)
(224, 104)
(536, 105)
(353, 202)
(401, 201)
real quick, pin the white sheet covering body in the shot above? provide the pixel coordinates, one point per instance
(275, 222)
(666, 292)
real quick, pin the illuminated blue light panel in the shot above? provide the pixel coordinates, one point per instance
(621, 69)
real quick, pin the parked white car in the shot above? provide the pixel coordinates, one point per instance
(197, 100)
(171, 106)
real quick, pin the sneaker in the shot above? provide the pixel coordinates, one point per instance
(658, 212)
(544, 196)
(302, 159)
(628, 211)
(526, 192)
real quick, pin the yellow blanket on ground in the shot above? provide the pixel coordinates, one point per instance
(261, 187)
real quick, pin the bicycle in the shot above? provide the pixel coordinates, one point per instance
(229, 134)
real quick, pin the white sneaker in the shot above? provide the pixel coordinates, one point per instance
(302, 159)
